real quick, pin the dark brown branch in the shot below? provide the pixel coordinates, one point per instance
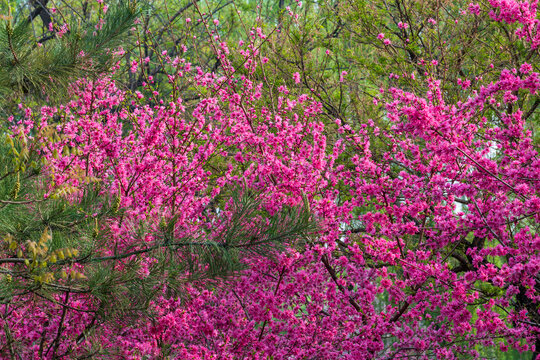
(40, 9)
(333, 275)
(532, 109)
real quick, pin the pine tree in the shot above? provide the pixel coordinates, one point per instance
(42, 65)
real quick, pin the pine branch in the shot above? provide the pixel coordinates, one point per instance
(47, 70)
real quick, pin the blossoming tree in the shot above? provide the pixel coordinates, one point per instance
(416, 239)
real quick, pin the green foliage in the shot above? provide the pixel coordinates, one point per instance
(32, 68)
(249, 230)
